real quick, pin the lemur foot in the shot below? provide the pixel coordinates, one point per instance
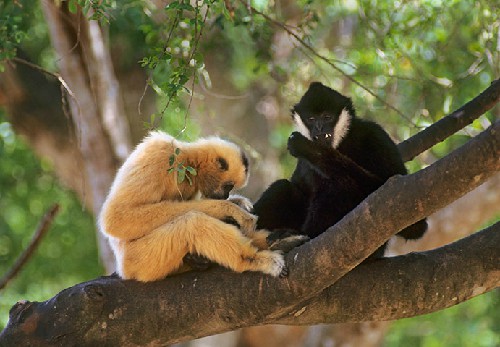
(285, 240)
(274, 263)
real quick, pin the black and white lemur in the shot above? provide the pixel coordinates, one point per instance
(341, 160)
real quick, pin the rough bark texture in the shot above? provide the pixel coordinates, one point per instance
(455, 121)
(120, 312)
(459, 219)
(409, 285)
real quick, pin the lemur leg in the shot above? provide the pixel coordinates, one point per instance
(281, 206)
(259, 238)
(161, 252)
(201, 263)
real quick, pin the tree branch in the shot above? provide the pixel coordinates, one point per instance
(452, 123)
(41, 230)
(128, 313)
(408, 285)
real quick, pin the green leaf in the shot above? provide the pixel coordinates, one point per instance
(191, 170)
(181, 175)
(172, 6)
(177, 151)
(171, 160)
(72, 6)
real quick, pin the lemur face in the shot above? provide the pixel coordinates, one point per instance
(323, 115)
(225, 169)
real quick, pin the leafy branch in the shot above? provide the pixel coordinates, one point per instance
(177, 59)
(92, 9)
(183, 172)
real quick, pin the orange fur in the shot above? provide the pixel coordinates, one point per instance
(152, 221)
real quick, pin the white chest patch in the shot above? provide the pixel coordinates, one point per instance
(341, 128)
(300, 126)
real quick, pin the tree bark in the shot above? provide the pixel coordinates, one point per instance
(459, 219)
(104, 312)
(120, 312)
(409, 285)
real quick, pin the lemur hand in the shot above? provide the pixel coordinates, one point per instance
(297, 143)
(240, 218)
(241, 201)
(246, 221)
(285, 240)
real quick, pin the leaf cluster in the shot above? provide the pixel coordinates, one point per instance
(183, 171)
(92, 9)
(12, 29)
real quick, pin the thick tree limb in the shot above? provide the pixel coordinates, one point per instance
(130, 313)
(409, 285)
(452, 123)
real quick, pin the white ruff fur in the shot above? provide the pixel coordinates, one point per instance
(341, 128)
(300, 126)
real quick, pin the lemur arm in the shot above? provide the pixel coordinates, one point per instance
(328, 161)
(129, 222)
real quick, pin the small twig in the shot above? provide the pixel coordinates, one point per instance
(195, 47)
(41, 230)
(452, 123)
(47, 72)
(143, 96)
(36, 67)
(207, 91)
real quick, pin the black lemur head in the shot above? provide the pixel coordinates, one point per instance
(323, 115)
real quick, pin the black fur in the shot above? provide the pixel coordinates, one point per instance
(329, 182)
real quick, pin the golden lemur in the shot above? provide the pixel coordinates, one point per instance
(153, 221)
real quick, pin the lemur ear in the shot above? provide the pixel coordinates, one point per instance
(223, 165)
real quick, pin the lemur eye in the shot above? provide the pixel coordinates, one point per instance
(223, 165)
